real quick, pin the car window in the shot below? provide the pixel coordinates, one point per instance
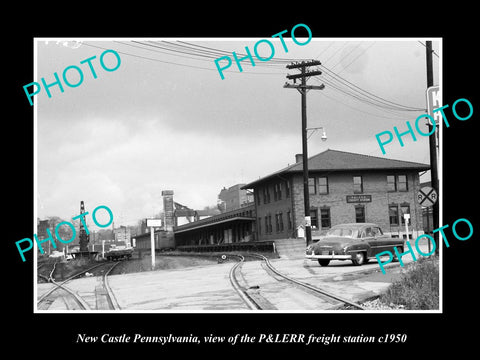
(377, 231)
(368, 232)
(340, 232)
(362, 234)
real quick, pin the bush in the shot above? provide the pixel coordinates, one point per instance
(418, 289)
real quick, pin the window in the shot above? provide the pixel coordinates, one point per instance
(289, 220)
(277, 191)
(402, 183)
(376, 231)
(257, 194)
(266, 224)
(287, 189)
(270, 224)
(391, 183)
(311, 186)
(368, 232)
(357, 185)
(393, 214)
(359, 214)
(266, 195)
(325, 218)
(323, 185)
(314, 218)
(279, 222)
(404, 209)
(259, 226)
(397, 183)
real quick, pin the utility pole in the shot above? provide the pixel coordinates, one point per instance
(303, 88)
(433, 147)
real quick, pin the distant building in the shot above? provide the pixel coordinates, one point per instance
(184, 215)
(122, 235)
(163, 236)
(234, 198)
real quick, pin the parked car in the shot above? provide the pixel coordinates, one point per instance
(357, 242)
(56, 254)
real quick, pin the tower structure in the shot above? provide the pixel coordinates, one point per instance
(84, 238)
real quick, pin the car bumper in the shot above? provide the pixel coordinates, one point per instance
(329, 256)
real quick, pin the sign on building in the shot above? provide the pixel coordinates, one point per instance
(359, 198)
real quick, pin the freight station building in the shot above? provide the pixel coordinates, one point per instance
(344, 187)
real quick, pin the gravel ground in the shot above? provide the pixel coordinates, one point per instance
(378, 305)
(162, 263)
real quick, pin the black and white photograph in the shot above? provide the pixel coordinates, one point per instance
(213, 157)
(220, 189)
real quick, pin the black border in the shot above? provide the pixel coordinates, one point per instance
(427, 333)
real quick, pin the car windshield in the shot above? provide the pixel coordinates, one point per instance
(344, 232)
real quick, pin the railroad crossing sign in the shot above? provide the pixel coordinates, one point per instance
(427, 196)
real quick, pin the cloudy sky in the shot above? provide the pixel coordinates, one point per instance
(165, 119)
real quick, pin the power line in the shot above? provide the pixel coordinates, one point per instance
(358, 97)
(180, 64)
(196, 56)
(149, 58)
(336, 81)
(350, 63)
(367, 94)
(324, 50)
(214, 55)
(357, 109)
(331, 56)
(351, 51)
(282, 60)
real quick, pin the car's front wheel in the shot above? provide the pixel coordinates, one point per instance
(358, 258)
(395, 257)
(323, 262)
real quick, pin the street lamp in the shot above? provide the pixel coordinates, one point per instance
(306, 193)
(314, 129)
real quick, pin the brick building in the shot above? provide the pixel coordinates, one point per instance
(344, 188)
(122, 235)
(234, 197)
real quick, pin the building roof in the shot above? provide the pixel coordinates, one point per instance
(335, 160)
(233, 215)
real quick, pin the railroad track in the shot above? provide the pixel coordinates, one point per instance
(72, 300)
(39, 267)
(256, 305)
(110, 296)
(251, 303)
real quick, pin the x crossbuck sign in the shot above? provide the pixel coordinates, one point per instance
(427, 196)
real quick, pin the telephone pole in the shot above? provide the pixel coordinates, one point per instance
(433, 146)
(303, 88)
